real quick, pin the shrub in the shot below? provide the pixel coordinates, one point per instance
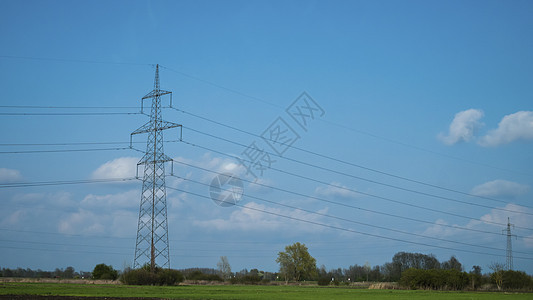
(103, 271)
(246, 279)
(323, 281)
(434, 279)
(169, 277)
(198, 275)
(516, 280)
(144, 277)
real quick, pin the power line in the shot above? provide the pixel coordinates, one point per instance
(117, 247)
(348, 205)
(63, 182)
(407, 145)
(68, 107)
(340, 160)
(256, 99)
(63, 144)
(63, 250)
(241, 242)
(78, 144)
(253, 98)
(353, 221)
(123, 254)
(74, 60)
(64, 244)
(350, 230)
(63, 150)
(71, 114)
(352, 190)
(223, 88)
(233, 252)
(65, 234)
(365, 179)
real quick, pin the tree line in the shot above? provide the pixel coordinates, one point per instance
(410, 270)
(67, 273)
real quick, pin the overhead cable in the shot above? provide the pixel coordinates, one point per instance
(351, 230)
(366, 179)
(355, 191)
(355, 222)
(349, 205)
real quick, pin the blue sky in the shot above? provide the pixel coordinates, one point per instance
(438, 93)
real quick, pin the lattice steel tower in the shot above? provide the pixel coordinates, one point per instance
(152, 231)
(509, 261)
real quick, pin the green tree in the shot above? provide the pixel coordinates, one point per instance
(295, 263)
(103, 271)
(452, 264)
(475, 276)
(406, 260)
(69, 272)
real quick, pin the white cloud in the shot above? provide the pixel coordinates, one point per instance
(252, 219)
(222, 165)
(260, 186)
(123, 167)
(518, 216)
(335, 189)
(208, 162)
(57, 200)
(517, 126)
(129, 199)
(440, 229)
(519, 219)
(82, 222)
(463, 127)
(500, 188)
(109, 214)
(14, 218)
(9, 175)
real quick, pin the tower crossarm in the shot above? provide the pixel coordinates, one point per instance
(149, 127)
(148, 158)
(155, 93)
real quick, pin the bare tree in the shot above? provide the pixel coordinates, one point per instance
(224, 267)
(497, 275)
(368, 268)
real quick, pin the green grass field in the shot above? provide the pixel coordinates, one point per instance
(238, 292)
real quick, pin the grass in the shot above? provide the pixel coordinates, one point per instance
(238, 292)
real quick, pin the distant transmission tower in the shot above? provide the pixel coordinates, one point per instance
(152, 231)
(509, 261)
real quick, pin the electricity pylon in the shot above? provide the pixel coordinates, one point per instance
(509, 261)
(152, 231)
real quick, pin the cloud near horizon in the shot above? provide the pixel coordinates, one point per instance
(500, 188)
(9, 175)
(252, 218)
(517, 214)
(335, 189)
(122, 167)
